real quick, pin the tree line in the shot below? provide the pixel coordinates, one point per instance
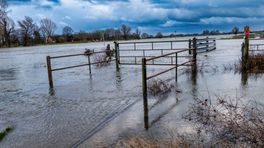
(27, 32)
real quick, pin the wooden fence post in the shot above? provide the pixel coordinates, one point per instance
(89, 62)
(190, 46)
(117, 55)
(49, 72)
(176, 68)
(145, 96)
(246, 48)
(207, 42)
(194, 49)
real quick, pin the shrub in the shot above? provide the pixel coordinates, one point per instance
(159, 87)
(229, 121)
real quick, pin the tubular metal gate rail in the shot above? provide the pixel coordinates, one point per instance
(144, 51)
(204, 45)
(50, 70)
(145, 78)
(256, 47)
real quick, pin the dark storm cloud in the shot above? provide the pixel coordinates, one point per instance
(167, 15)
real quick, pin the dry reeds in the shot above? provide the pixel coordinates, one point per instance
(159, 87)
(103, 59)
(229, 122)
(88, 52)
(256, 63)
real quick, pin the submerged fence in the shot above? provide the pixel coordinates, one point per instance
(175, 65)
(146, 54)
(89, 63)
(256, 47)
(204, 45)
(131, 53)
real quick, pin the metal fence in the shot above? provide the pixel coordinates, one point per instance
(256, 48)
(204, 45)
(89, 63)
(133, 52)
(174, 65)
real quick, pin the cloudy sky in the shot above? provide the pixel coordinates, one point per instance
(168, 16)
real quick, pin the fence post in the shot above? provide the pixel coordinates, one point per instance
(89, 62)
(214, 44)
(49, 72)
(207, 42)
(190, 46)
(194, 49)
(176, 68)
(145, 96)
(117, 55)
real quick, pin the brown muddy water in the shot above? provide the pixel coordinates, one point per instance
(86, 111)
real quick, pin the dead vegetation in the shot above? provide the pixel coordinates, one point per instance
(158, 87)
(103, 59)
(256, 63)
(88, 52)
(225, 122)
(229, 122)
(235, 67)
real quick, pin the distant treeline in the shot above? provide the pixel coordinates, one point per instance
(27, 32)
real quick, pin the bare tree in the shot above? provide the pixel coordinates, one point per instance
(235, 30)
(117, 34)
(27, 27)
(8, 27)
(3, 8)
(125, 30)
(67, 32)
(138, 33)
(37, 35)
(144, 35)
(159, 35)
(48, 27)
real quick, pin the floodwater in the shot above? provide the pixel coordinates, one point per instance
(84, 111)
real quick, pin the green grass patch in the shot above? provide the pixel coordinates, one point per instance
(5, 132)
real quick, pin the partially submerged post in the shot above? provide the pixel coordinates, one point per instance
(194, 49)
(49, 72)
(145, 95)
(117, 54)
(176, 67)
(190, 46)
(245, 48)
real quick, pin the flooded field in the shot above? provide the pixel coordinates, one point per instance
(78, 111)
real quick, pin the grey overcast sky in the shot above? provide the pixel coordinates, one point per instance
(168, 16)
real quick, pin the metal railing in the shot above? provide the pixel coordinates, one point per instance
(256, 47)
(135, 47)
(175, 66)
(89, 63)
(204, 45)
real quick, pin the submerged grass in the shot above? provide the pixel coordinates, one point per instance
(5, 132)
